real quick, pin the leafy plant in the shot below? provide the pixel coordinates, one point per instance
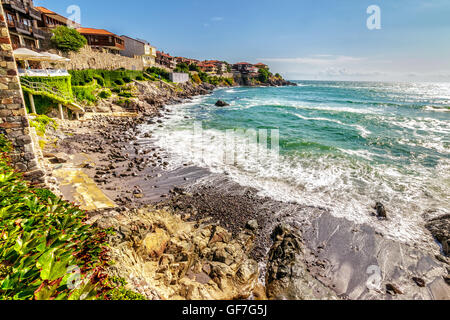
(105, 94)
(67, 39)
(47, 252)
(42, 123)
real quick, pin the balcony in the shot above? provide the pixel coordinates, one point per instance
(16, 5)
(36, 14)
(20, 27)
(40, 34)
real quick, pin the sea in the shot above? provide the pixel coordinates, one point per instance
(341, 146)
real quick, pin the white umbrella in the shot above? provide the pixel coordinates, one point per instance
(27, 54)
(54, 57)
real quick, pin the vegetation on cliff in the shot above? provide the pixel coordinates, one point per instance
(68, 39)
(47, 251)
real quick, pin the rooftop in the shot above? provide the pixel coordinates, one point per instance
(95, 31)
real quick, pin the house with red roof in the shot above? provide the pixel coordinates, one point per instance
(51, 20)
(101, 39)
(165, 60)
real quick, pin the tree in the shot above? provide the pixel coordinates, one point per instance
(182, 67)
(194, 67)
(67, 39)
(263, 75)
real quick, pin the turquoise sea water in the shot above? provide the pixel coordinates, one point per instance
(343, 146)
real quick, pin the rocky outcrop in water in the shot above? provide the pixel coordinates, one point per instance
(288, 276)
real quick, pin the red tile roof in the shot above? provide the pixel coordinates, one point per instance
(95, 31)
(45, 10)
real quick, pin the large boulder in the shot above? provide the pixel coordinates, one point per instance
(440, 229)
(221, 103)
(287, 275)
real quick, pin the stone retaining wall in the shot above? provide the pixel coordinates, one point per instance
(90, 59)
(13, 119)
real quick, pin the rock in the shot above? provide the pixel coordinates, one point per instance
(221, 103)
(392, 289)
(155, 243)
(252, 225)
(287, 275)
(59, 158)
(381, 211)
(419, 281)
(440, 229)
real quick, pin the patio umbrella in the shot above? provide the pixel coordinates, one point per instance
(27, 54)
(54, 57)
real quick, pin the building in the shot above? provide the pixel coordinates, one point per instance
(165, 60)
(207, 67)
(139, 49)
(101, 39)
(51, 20)
(243, 67)
(22, 19)
(221, 66)
(261, 66)
(187, 61)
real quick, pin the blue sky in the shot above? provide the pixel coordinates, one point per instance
(301, 39)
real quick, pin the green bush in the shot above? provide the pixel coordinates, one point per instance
(85, 93)
(105, 94)
(126, 94)
(194, 67)
(263, 75)
(139, 78)
(42, 123)
(67, 39)
(159, 72)
(43, 241)
(182, 68)
(119, 82)
(109, 77)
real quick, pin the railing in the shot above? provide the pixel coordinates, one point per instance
(21, 27)
(46, 90)
(39, 33)
(43, 73)
(15, 5)
(34, 13)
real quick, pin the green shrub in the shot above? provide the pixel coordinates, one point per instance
(126, 94)
(42, 123)
(182, 68)
(119, 82)
(263, 75)
(85, 94)
(139, 78)
(159, 72)
(127, 79)
(105, 94)
(194, 67)
(67, 39)
(43, 241)
(108, 77)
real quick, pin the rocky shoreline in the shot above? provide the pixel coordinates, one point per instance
(188, 234)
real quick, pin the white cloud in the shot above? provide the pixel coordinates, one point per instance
(317, 60)
(216, 19)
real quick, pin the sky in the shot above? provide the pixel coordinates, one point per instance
(300, 39)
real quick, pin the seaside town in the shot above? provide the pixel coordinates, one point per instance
(93, 208)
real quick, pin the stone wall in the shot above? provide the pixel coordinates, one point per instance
(13, 118)
(90, 59)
